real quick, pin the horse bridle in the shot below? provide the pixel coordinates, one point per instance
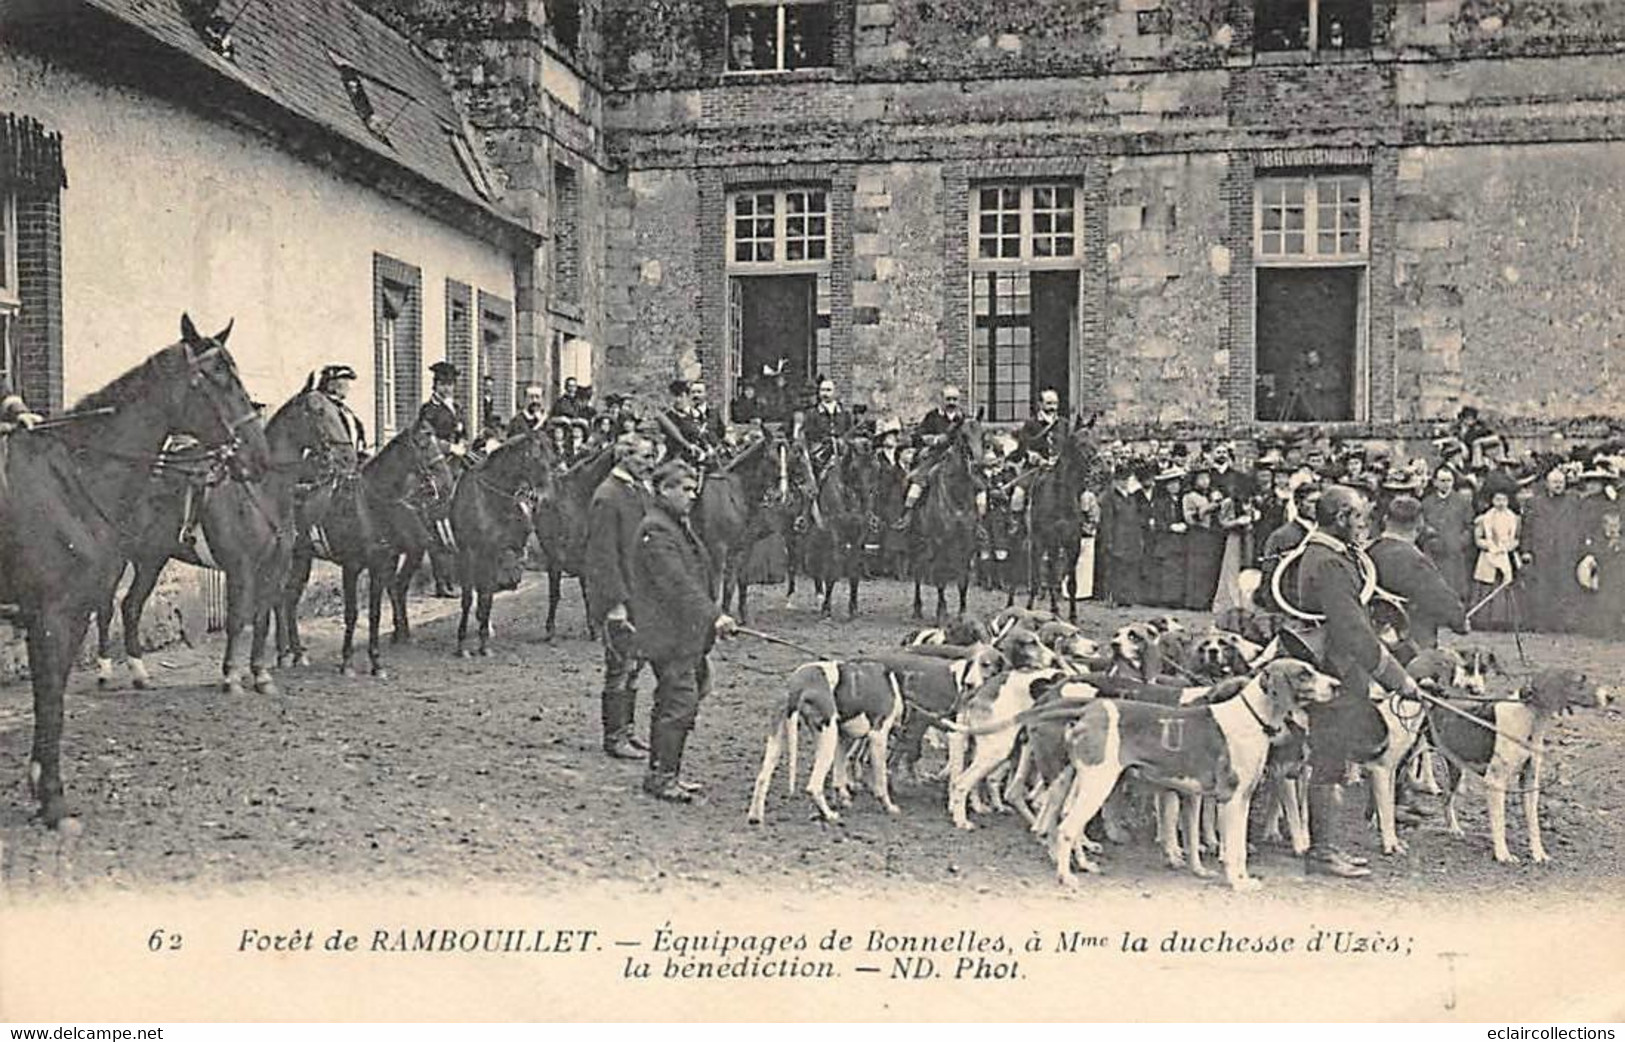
(197, 376)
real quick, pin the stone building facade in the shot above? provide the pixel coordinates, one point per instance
(1204, 213)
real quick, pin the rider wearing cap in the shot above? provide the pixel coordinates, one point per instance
(682, 427)
(827, 422)
(439, 413)
(1041, 436)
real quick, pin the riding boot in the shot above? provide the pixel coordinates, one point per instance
(665, 760)
(1326, 834)
(617, 718)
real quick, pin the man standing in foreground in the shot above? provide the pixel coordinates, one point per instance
(677, 623)
(618, 506)
(1348, 729)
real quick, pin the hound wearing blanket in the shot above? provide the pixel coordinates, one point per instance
(1216, 750)
(841, 702)
(1515, 750)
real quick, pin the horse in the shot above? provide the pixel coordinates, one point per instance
(559, 517)
(842, 517)
(491, 522)
(246, 524)
(944, 546)
(1055, 523)
(376, 518)
(738, 507)
(69, 493)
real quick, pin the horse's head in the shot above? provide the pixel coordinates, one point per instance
(429, 461)
(211, 404)
(302, 433)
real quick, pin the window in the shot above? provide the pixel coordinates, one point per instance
(1307, 219)
(779, 36)
(779, 291)
(1311, 25)
(1025, 261)
(572, 358)
(473, 169)
(9, 292)
(8, 249)
(565, 18)
(779, 226)
(566, 235)
(1026, 222)
(496, 359)
(460, 345)
(1311, 249)
(398, 345)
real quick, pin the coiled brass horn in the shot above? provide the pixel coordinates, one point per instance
(1371, 594)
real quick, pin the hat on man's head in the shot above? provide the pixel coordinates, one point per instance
(677, 387)
(338, 371)
(444, 371)
(612, 400)
(584, 391)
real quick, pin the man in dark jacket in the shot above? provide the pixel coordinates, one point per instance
(1403, 569)
(1348, 729)
(1120, 542)
(613, 518)
(677, 622)
(439, 413)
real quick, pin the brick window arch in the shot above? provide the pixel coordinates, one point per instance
(31, 181)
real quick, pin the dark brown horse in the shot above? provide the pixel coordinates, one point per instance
(385, 513)
(1055, 523)
(739, 506)
(843, 515)
(491, 519)
(944, 545)
(247, 532)
(560, 519)
(67, 497)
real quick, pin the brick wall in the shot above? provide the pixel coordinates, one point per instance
(39, 319)
(460, 348)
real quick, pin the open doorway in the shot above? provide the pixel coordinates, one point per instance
(775, 324)
(1308, 344)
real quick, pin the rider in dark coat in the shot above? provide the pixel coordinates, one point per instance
(1043, 434)
(613, 519)
(1349, 728)
(684, 434)
(439, 413)
(935, 432)
(678, 621)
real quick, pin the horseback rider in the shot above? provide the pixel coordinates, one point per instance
(1044, 432)
(439, 413)
(533, 415)
(934, 434)
(13, 414)
(340, 459)
(683, 427)
(826, 423)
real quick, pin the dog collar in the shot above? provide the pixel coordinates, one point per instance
(1270, 730)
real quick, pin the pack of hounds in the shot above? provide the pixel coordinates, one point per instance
(1038, 718)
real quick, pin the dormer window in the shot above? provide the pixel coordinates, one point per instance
(472, 168)
(212, 25)
(1311, 25)
(356, 88)
(779, 35)
(377, 103)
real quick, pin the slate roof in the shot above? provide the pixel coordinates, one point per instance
(291, 51)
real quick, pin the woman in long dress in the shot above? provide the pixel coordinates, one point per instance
(1236, 519)
(1204, 543)
(1495, 533)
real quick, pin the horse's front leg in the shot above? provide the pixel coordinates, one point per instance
(487, 595)
(964, 588)
(467, 578)
(592, 628)
(379, 578)
(142, 584)
(853, 577)
(290, 651)
(402, 632)
(919, 606)
(51, 637)
(555, 578)
(239, 602)
(351, 576)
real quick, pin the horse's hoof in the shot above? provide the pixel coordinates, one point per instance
(400, 637)
(347, 671)
(301, 659)
(231, 687)
(141, 684)
(380, 672)
(463, 653)
(266, 686)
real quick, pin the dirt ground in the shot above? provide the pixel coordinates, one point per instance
(488, 771)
